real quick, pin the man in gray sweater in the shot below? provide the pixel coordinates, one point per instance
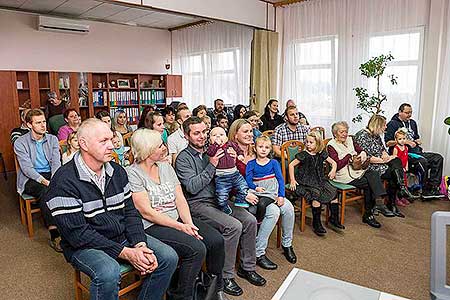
(196, 170)
(38, 156)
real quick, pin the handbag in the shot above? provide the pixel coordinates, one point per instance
(205, 286)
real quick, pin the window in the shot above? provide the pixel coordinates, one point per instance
(315, 79)
(406, 46)
(213, 75)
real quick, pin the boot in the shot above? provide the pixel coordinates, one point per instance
(370, 220)
(334, 217)
(393, 206)
(403, 191)
(317, 224)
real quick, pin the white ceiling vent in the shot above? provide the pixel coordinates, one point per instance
(62, 25)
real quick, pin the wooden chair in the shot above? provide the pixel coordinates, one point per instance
(268, 133)
(62, 146)
(115, 157)
(319, 129)
(126, 271)
(127, 139)
(25, 206)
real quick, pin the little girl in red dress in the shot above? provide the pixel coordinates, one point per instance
(401, 151)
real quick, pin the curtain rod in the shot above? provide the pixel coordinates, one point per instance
(287, 2)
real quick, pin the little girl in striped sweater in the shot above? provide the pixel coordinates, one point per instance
(264, 178)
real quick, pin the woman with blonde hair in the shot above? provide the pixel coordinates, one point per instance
(388, 166)
(158, 196)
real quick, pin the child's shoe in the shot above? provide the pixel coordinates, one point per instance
(227, 209)
(241, 203)
(399, 202)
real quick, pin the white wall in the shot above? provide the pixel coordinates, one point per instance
(107, 48)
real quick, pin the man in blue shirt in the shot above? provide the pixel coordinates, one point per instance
(38, 156)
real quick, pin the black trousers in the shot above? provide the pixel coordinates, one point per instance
(192, 252)
(432, 164)
(38, 190)
(372, 186)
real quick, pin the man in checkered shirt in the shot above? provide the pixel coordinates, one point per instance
(291, 130)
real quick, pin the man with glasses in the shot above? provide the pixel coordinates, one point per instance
(428, 162)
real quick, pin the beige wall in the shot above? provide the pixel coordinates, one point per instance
(107, 48)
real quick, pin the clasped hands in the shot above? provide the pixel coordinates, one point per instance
(142, 258)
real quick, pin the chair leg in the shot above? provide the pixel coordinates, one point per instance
(29, 219)
(278, 233)
(22, 213)
(344, 199)
(303, 216)
(78, 292)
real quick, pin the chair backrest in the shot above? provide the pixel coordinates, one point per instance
(127, 139)
(326, 141)
(268, 133)
(319, 129)
(55, 122)
(62, 146)
(115, 157)
(288, 151)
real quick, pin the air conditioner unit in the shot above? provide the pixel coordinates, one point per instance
(62, 25)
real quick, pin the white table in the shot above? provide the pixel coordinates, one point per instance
(304, 285)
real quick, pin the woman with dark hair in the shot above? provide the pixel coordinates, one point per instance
(200, 111)
(144, 113)
(169, 118)
(73, 121)
(105, 117)
(271, 119)
(239, 112)
(154, 120)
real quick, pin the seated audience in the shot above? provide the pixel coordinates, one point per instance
(73, 121)
(343, 149)
(241, 134)
(158, 196)
(38, 156)
(388, 166)
(200, 111)
(105, 117)
(309, 181)
(222, 121)
(219, 109)
(98, 235)
(196, 172)
(120, 123)
(72, 147)
(239, 112)
(432, 163)
(23, 129)
(120, 150)
(169, 118)
(177, 141)
(271, 119)
(227, 177)
(154, 120)
(252, 117)
(302, 117)
(291, 130)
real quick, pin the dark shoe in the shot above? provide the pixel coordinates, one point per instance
(432, 193)
(382, 209)
(290, 254)
(317, 224)
(231, 287)
(221, 296)
(403, 192)
(227, 209)
(371, 221)
(56, 244)
(334, 217)
(266, 263)
(396, 211)
(251, 276)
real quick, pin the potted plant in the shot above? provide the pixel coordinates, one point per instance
(374, 68)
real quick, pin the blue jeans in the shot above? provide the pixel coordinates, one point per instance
(273, 212)
(228, 182)
(104, 272)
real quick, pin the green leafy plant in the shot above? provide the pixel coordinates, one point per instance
(374, 68)
(447, 122)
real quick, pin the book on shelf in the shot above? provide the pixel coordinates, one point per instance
(131, 112)
(117, 98)
(152, 97)
(99, 98)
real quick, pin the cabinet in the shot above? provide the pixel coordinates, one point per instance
(174, 87)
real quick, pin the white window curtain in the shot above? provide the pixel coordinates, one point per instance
(325, 42)
(214, 60)
(440, 140)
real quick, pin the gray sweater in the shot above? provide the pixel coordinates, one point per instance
(25, 150)
(196, 175)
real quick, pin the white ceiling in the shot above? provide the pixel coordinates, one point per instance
(100, 11)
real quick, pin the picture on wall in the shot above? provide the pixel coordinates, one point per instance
(123, 83)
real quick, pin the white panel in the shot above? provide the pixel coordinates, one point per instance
(76, 7)
(12, 3)
(42, 5)
(248, 12)
(103, 11)
(128, 15)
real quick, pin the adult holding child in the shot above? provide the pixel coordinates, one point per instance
(343, 149)
(158, 196)
(241, 132)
